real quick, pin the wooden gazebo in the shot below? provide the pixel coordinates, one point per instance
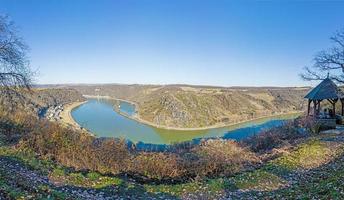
(326, 90)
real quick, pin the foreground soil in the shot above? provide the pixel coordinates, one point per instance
(314, 169)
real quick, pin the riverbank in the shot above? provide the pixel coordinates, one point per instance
(137, 118)
(66, 114)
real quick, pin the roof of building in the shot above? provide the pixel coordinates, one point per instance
(327, 89)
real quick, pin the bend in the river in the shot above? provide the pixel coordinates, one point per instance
(102, 117)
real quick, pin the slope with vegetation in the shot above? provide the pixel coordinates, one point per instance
(37, 101)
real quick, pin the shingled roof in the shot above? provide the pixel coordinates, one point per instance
(327, 89)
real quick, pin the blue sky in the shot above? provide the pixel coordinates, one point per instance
(226, 43)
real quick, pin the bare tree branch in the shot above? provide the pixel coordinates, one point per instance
(311, 75)
(15, 72)
(331, 60)
(339, 38)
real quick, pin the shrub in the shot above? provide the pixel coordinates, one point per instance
(275, 137)
(15, 125)
(306, 122)
(218, 157)
(76, 149)
(157, 165)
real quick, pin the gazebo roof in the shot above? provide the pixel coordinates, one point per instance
(327, 89)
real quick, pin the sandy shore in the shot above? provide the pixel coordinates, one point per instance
(66, 116)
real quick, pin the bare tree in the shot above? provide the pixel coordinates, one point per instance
(15, 72)
(329, 61)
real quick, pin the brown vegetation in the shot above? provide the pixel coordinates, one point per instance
(77, 149)
(157, 165)
(218, 158)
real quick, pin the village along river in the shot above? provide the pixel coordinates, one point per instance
(99, 117)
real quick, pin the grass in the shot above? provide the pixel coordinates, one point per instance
(309, 155)
(89, 180)
(28, 158)
(259, 180)
(325, 183)
(210, 187)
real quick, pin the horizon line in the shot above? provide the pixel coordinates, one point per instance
(171, 84)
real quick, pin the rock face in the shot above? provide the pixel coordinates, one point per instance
(183, 106)
(171, 110)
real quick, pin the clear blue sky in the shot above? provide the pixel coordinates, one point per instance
(227, 43)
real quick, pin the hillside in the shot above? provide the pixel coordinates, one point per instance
(183, 106)
(38, 101)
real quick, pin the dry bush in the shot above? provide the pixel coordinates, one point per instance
(274, 137)
(218, 157)
(309, 123)
(157, 165)
(211, 158)
(112, 155)
(14, 126)
(76, 149)
(305, 121)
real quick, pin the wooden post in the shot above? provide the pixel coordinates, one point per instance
(342, 106)
(315, 108)
(334, 107)
(309, 106)
(333, 102)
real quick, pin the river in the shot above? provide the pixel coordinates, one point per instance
(99, 117)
